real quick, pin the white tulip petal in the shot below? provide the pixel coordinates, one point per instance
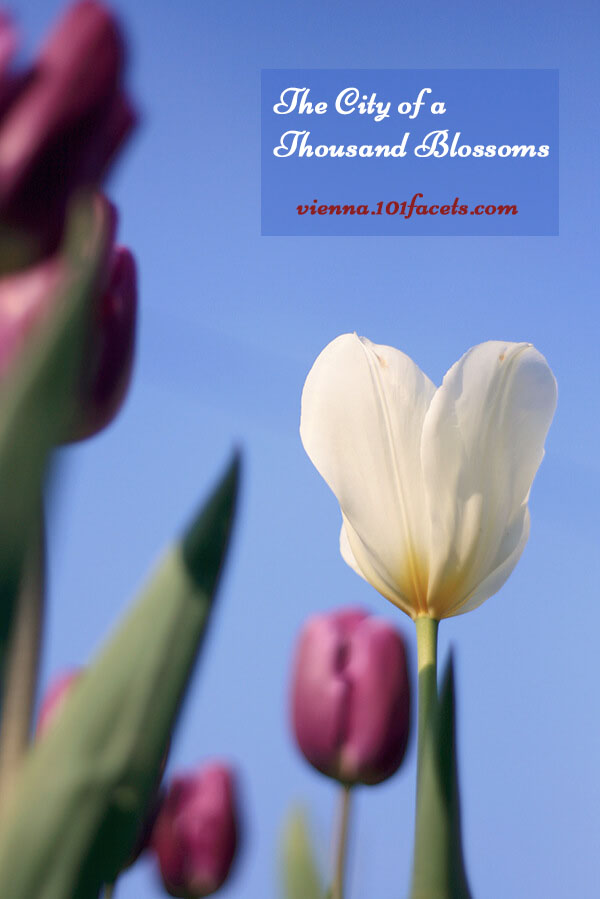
(482, 443)
(363, 408)
(346, 551)
(373, 567)
(516, 536)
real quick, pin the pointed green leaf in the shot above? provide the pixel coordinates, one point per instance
(36, 396)
(301, 877)
(74, 814)
(439, 871)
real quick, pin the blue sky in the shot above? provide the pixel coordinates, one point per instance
(230, 325)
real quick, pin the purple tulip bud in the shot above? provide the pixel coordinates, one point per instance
(54, 699)
(110, 358)
(27, 298)
(351, 696)
(196, 832)
(61, 121)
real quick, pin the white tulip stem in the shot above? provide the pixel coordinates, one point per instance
(427, 630)
(337, 890)
(22, 662)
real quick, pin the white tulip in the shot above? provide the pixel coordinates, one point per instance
(432, 483)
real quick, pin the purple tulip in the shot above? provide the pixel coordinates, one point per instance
(196, 832)
(61, 122)
(110, 358)
(27, 297)
(351, 697)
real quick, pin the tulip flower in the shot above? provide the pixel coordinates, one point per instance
(27, 297)
(350, 696)
(196, 832)
(433, 483)
(110, 358)
(61, 122)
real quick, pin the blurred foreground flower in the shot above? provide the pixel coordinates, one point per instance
(61, 122)
(433, 483)
(108, 368)
(350, 696)
(196, 832)
(27, 297)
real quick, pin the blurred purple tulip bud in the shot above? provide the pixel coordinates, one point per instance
(351, 696)
(61, 122)
(110, 358)
(54, 699)
(27, 297)
(196, 832)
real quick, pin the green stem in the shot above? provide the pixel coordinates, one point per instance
(109, 890)
(337, 890)
(22, 661)
(427, 631)
(438, 865)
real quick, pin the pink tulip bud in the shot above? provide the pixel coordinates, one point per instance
(61, 121)
(351, 697)
(54, 699)
(196, 832)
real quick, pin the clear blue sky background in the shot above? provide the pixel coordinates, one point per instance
(230, 325)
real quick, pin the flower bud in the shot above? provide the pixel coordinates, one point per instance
(27, 297)
(110, 358)
(196, 832)
(351, 697)
(61, 122)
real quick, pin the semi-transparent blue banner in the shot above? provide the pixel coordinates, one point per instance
(417, 152)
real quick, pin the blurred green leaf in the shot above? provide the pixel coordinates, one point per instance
(300, 871)
(36, 397)
(74, 814)
(439, 871)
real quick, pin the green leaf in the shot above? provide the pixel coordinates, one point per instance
(74, 814)
(36, 397)
(439, 871)
(301, 877)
